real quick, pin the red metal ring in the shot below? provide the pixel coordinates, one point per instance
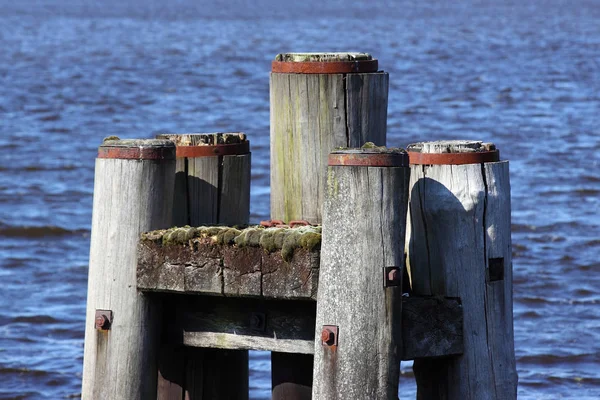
(368, 159)
(234, 149)
(137, 153)
(417, 158)
(324, 67)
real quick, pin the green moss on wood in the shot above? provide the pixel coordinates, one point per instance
(286, 240)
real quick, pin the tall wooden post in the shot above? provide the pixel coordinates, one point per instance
(319, 102)
(212, 187)
(133, 193)
(359, 305)
(458, 244)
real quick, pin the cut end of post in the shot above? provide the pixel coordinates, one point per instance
(209, 144)
(324, 63)
(369, 155)
(452, 152)
(136, 149)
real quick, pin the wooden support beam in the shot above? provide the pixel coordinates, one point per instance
(431, 326)
(212, 186)
(133, 191)
(359, 322)
(458, 244)
(279, 263)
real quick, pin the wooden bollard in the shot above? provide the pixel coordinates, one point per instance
(359, 307)
(319, 102)
(212, 187)
(458, 244)
(133, 193)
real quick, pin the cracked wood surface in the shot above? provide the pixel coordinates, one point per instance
(211, 268)
(431, 326)
(363, 231)
(458, 245)
(130, 196)
(311, 115)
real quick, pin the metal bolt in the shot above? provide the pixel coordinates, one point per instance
(101, 322)
(327, 336)
(103, 319)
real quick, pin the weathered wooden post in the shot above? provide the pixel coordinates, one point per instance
(458, 244)
(133, 193)
(359, 305)
(319, 102)
(212, 187)
(213, 179)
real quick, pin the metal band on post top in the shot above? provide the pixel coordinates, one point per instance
(368, 158)
(324, 63)
(234, 149)
(193, 145)
(452, 152)
(137, 149)
(417, 158)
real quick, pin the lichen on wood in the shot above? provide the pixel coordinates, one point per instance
(286, 240)
(323, 57)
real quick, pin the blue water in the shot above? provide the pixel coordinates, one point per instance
(522, 74)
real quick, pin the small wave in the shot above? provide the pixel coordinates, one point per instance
(549, 359)
(58, 130)
(35, 319)
(51, 117)
(38, 231)
(22, 371)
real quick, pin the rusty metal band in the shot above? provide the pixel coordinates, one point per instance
(137, 153)
(453, 158)
(234, 149)
(326, 67)
(369, 160)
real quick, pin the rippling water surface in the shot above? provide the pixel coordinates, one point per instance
(525, 75)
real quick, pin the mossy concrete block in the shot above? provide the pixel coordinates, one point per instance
(252, 262)
(296, 279)
(242, 271)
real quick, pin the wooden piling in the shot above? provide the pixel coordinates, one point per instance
(458, 244)
(212, 187)
(213, 179)
(358, 326)
(319, 102)
(132, 193)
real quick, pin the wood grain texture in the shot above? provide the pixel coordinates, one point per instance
(363, 232)
(204, 268)
(130, 197)
(459, 217)
(235, 323)
(312, 114)
(431, 327)
(234, 200)
(216, 191)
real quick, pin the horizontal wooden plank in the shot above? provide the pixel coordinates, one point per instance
(277, 263)
(241, 342)
(431, 326)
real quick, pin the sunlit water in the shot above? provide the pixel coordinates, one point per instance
(524, 75)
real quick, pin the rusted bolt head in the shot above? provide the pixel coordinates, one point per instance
(393, 275)
(101, 322)
(327, 336)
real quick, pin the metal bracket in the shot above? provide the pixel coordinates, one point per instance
(329, 335)
(392, 276)
(103, 320)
